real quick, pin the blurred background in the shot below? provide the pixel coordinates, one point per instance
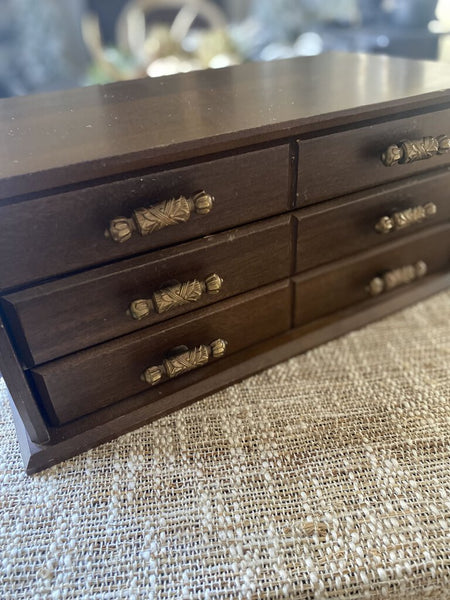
(56, 44)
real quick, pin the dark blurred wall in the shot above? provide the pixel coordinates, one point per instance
(107, 12)
(41, 46)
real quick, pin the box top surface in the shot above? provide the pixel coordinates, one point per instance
(62, 138)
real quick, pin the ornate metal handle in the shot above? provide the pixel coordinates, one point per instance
(408, 151)
(397, 277)
(175, 295)
(184, 362)
(147, 220)
(405, 218)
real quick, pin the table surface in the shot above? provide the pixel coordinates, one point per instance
(327, 472)
(72, 136)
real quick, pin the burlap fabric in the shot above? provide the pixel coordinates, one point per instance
(327, 476)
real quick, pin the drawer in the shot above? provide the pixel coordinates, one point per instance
(58, 234)
(57, 318)
(372, 274)
(348, 161)
(361, 221)
(92, 379)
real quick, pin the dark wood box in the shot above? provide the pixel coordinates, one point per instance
(164, 238)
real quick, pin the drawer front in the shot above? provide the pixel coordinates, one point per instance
(361, 221)
(66, 232)
(92, 379)
(54, 319)
(327, 289)
(348, 161)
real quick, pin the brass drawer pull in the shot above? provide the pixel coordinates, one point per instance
(184, 362)
(397, 277)
(176, 295)
(408, 151)
(405, 218)
(153, 218)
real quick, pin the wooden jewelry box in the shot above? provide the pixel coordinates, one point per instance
(164, 238)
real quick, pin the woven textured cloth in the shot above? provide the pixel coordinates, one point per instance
(327, 476)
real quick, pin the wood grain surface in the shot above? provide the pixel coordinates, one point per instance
(346, 225)
(27, 409)
(72, 313)
(331, 288)
(57, 234)
(74, 136)
(348, 161)
(91, 379)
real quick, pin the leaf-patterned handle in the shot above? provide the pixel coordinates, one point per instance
(408, 151)
(158, 216)
(176, 295)
(184, 362)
